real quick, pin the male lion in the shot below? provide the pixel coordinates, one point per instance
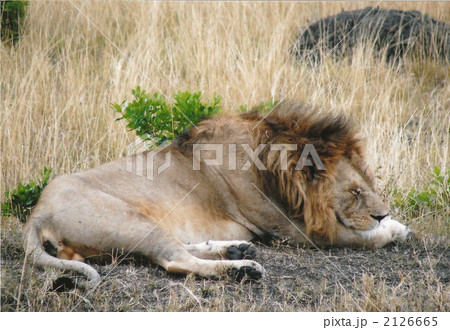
(231, 179)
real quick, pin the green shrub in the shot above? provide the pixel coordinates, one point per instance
(21, 200)
(152, 117)
(436, 195)
(12, 15)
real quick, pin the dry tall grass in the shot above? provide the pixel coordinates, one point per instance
(58, 83)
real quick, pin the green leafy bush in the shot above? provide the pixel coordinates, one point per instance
(435, 196)
(151, 116)
(21, 200)
(12, 15)
(261, 107)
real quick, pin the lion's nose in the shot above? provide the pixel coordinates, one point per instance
(379, 217)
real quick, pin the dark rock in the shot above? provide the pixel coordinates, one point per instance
(398, 32)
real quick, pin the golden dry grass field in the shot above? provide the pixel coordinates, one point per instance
(75, 59)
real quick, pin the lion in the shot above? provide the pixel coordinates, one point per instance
(196, 205)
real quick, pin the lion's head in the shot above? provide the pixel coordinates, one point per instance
(341, 194)
(357, 204)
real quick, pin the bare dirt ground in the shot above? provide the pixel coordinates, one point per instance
(413, 276)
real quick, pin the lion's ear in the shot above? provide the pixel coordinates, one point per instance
(319, 215)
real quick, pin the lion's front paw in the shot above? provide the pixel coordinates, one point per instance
(253, 271)
(387, 231)
(396, 230)
(403, 234)
(242, 251)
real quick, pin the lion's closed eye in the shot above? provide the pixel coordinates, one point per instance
(356, 192)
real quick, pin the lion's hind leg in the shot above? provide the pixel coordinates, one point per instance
(233, 250)
(35, 249)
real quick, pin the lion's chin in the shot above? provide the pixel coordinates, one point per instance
(389, 229)
(377, 228)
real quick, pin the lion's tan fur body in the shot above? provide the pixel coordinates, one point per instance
(90, 213)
